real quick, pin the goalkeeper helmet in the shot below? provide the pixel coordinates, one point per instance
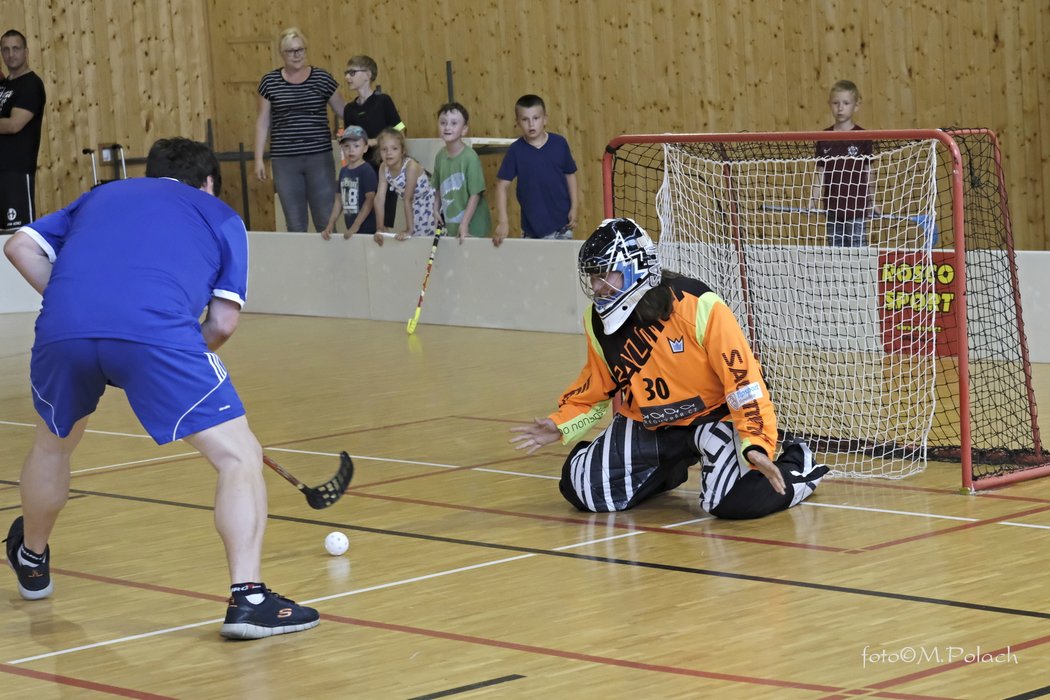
(618, 264)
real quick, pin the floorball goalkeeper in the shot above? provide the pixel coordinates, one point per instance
(690, 388)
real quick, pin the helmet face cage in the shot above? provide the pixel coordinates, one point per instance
(618, 245)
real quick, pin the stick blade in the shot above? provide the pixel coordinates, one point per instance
(412, 323)
(325, 495)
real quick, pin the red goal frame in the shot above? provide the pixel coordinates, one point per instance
(1036, 464)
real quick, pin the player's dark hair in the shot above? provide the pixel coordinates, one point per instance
(14, 32)
(455, 107)
(530, 100)
(187, 161)
(656, 304)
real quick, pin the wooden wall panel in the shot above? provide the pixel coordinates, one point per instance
(609, 68)
(116, 71)
(131, 70)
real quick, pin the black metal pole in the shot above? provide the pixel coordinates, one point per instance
(448, 81)
(244, 187)
(115, 151)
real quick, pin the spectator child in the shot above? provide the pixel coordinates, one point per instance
(356, 192)
(406, 177)
(546, 173)
(373, 111)
(459, 178)
(843, 177)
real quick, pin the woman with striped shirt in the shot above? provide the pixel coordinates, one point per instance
(293, 103)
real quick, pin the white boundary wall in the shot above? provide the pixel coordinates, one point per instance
(522, 285)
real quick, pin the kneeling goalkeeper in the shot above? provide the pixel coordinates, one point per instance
(691, 391)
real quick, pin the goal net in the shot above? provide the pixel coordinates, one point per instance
(844, 256)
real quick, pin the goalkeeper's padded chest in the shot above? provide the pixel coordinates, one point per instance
(665, 374)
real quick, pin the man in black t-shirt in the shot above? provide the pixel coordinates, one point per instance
(22, 99)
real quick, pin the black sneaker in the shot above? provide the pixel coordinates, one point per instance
(34, 582)
(275, 614)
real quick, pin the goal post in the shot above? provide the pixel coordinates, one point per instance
(874, 273)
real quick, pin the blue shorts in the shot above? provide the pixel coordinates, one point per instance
(174, 393)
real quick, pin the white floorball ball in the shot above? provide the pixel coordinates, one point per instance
(336, 543)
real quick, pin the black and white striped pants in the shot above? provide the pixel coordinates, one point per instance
(628, 464)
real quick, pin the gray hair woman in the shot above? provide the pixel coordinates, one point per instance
(293, 103)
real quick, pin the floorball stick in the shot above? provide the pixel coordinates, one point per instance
(927, 223)
(327, 493)
(426, 278)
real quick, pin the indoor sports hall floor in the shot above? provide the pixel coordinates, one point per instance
(469, 577)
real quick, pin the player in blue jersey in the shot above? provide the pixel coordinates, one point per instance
(126, 271)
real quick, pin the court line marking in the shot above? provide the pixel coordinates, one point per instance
(613, 661)
(81, 683)
(1037, 527)
(137, 461)
(88, 430)
(689, 522)
(311, 601)
(110, 642)
(416, 579)
(920, 515)
(472, 567)
(588, 518)
(976, 521)
(366, 458)
(995, 520)
(440, 465)
(467, 688)
(811, 504)
(831, 482)
(510, 473)
(887, 511)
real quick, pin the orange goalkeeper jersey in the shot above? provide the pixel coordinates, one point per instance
(696, 367)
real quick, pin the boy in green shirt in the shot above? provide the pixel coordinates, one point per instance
(459, 178)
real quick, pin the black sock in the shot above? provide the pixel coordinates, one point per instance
(248, 588)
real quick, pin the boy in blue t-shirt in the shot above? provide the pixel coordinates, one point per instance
(546, 173)
(358, 183)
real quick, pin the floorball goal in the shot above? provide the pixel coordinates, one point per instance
(875, 275)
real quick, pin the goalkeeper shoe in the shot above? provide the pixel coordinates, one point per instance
(34, 578)
(274, 614)
(800, 470)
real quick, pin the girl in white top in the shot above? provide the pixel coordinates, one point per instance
(403, 175)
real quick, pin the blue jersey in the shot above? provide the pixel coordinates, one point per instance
(139, 260)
